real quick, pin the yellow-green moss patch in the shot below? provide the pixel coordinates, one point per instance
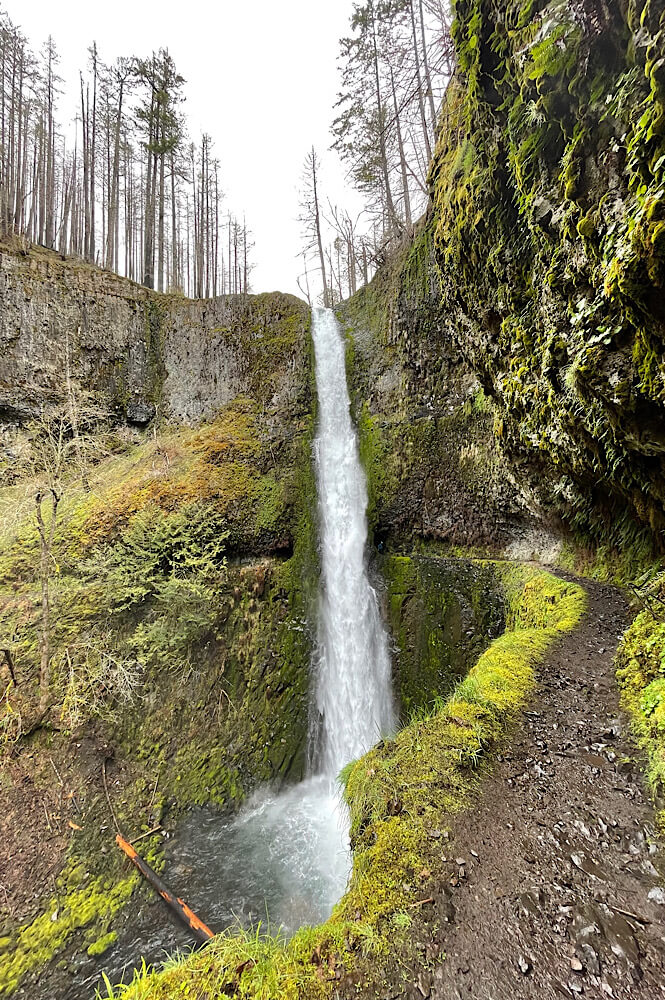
(36, 943)
(640, 666)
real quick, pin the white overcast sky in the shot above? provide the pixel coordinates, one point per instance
(261, 78)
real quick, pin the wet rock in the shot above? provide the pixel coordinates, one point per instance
(657, 895)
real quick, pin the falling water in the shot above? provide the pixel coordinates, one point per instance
(286, 855)
(353, 698)
(285, 858)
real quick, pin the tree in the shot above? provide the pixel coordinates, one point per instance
(162, 135)
(123, 193)
(311, 217)
(395, 65)
(59, 458)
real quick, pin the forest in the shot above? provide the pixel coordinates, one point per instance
(123, 185)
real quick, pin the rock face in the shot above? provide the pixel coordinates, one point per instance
(548, 230)
(147, 353)
(435, 471)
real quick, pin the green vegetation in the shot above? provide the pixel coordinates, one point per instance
(427, 448)
(397, 794)
(93, 900)
(641, 675)
(442, 614)
(547, 219)
(181, 588)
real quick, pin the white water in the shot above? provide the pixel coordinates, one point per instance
(353, 697)
(285, 857)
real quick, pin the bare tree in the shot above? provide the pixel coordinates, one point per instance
(129, 191)
(311, 217)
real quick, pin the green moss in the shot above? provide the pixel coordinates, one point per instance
(397, 794)
(640, 666)
(442, 612)
(102, 944)
(190, 567)
(36, 943)
(549, 251)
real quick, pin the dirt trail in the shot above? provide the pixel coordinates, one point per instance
(564, 897)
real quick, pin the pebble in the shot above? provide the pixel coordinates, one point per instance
(657, 895)
(525, 967)
(576, 965)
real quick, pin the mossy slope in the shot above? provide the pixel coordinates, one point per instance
(183, 572)
(641, 675)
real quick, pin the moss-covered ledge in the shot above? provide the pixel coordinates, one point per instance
(640, 666)
(399, 795)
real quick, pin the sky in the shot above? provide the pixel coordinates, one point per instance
(262, 78)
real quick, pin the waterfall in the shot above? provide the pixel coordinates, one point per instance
(352, 702)
(285, 857)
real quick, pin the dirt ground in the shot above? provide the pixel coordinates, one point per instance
(44, 792)
(558, 889)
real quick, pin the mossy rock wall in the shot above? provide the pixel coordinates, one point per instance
(442, 613)
(184, 576)
(548, 228)
(433, 467)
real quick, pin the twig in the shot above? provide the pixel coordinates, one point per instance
(48, 822)
(624, 913)
(421, 902)
(108, 797)
(156, 829)
(57, 772)
(10, 664)
(154, 791)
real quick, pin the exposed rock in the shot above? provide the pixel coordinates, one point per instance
(147, 353)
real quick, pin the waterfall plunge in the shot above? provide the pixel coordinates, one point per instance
(285, 857)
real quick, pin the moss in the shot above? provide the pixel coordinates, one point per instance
(441, 614)
(548, 245)
(38, 942)
(397, 794)
(102, 944)
(190, 566)
(404, 788)
(640, 664)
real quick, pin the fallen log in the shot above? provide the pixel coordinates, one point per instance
(178, 906)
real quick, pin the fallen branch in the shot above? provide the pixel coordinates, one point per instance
(421, 902)
(178, 906)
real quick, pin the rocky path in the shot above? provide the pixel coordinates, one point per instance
(559, 893)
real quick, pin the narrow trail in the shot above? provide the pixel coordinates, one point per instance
(559, 892)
